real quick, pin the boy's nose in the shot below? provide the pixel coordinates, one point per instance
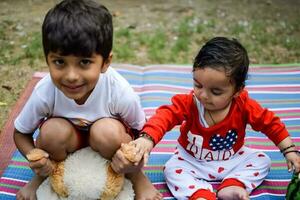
(72, 75)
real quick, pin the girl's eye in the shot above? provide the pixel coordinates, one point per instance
(216, 92)
(197, 85)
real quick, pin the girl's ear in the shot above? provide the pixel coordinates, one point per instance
(237, 93)
(106, 63)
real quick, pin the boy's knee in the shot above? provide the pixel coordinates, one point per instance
(55, 131)
(106, 136)
(106, 130)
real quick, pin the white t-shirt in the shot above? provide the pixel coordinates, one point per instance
(112, 97)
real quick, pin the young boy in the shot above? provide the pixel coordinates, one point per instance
(82, 101)
(213, 119)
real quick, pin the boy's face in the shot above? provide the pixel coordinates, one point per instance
(213, 88)
(76, 76)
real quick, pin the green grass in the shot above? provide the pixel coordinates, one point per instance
(263, 39)
(6, 46)
(156, 46)
(124, 49)
(33, 50)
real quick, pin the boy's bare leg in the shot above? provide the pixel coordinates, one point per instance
(28, 192)
(143, 188)
(113, 134)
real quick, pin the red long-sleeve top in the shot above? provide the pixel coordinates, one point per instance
(218, 142)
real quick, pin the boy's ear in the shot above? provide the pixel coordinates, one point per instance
(106, 63)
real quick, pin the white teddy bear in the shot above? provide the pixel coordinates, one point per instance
(84, 175)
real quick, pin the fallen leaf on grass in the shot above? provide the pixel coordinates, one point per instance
(7, 87)
(3, 104)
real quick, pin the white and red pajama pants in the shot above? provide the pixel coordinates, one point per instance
(185, 175)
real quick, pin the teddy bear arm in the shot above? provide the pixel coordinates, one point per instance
(56, 179)
(113, 186)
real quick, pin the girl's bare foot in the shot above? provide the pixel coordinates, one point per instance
(233, 193)
(143, 188)
(28, 192)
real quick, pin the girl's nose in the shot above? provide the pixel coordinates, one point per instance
(203, 94)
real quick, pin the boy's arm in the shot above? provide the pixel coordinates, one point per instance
(24, 142)
(40, 163)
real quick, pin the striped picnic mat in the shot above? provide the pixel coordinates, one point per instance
(276, 87)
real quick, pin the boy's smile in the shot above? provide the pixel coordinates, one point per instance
(76, 76)
(73, 88)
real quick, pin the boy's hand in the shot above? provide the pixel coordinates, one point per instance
(39, 162)
(293, 161)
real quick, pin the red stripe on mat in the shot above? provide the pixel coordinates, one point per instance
(7, 145)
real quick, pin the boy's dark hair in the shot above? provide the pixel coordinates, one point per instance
(221, 52)
(78, 27)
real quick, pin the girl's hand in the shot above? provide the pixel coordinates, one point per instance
(132, 156)
(124, 159)
(143, 148)
(293, 161)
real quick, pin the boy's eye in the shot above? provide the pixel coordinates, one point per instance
(85, 62)
(58, 62)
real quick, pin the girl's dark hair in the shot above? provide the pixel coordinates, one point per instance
(221, 52)
(78, 27)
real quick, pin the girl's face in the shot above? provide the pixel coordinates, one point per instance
(213, 88)
(76, 76)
